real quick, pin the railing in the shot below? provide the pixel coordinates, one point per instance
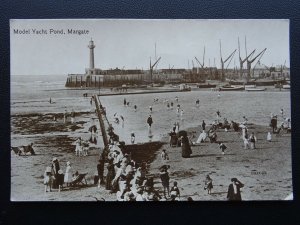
(101, 117)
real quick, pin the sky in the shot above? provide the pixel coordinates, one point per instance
(129, 44)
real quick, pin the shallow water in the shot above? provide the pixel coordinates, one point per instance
(31, 94)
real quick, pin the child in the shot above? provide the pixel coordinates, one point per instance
(208, 184)
(175, 193)
(269, 137)
(246, 140)
(164, 155)
(164, 176)
(150, 108)
(252, 140)
(132, 137)
(222, 147)
(47, 178)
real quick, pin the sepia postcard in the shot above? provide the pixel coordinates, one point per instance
(150, 110)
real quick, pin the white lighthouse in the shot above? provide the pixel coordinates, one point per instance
(91, 46)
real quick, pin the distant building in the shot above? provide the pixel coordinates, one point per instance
(95, 77)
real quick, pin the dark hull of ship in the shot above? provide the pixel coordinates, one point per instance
(258, 83)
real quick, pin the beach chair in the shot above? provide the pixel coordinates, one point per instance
(79, 180)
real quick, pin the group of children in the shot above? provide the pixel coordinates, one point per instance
(82, 147)
(54, 178)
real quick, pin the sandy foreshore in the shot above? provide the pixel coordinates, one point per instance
(265, 171)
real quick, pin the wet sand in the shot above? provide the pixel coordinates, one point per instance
(265, 171)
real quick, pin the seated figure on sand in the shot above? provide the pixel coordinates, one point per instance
(212, 135)
(202, 137)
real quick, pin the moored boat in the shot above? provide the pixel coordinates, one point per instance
(231, 88)
(254, 89)
(184, 87)
(286, 86)
(206, 85)
(258, 82)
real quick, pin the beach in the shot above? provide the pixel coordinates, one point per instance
(265, 171)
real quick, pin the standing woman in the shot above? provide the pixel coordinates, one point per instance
(234, 193)
(68, 174)
(55, 169)
(186, 150)
(110, 175)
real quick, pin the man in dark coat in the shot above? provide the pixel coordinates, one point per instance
(274, 123)
(149, 121)
(100, 169)
(222, 147)
(234, 193)
(203, 125)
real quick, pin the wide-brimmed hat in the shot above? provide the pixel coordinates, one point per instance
(68, 163)
(121, 144)
(60, 172)
(48, 169)
(234, 179)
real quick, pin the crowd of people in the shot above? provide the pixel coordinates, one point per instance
(130, 180)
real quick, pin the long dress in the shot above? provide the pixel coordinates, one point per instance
(110, 176)
(68, 175)
(232, 195)
(186, 150)
(78, 149)
(55, 169)
(201, 137)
